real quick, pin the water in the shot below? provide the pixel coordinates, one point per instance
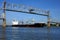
(21, 33)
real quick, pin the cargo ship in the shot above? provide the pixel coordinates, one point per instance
(16, 24)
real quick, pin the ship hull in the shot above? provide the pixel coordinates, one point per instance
(30, 25)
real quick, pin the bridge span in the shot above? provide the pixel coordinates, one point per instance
(30, 11)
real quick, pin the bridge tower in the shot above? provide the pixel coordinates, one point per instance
(4, 20)
(4, 14)
(48, 17)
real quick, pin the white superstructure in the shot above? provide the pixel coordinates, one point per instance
(14, 22)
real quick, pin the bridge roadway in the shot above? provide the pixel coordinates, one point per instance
(56, 22)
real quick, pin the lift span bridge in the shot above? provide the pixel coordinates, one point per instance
(23, 9)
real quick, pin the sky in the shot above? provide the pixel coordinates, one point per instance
(52, 5)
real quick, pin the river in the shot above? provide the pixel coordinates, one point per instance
(25, 33)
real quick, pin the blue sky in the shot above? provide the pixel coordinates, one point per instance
(52, 5)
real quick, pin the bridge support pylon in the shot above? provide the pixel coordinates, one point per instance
(48, 17)
(4, 21)
(4, 14)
